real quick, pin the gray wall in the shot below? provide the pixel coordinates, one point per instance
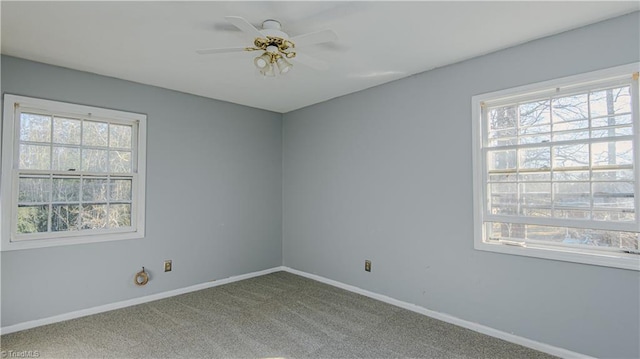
(385, 174)
(214, 198)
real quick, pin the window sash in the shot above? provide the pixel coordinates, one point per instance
(83, 117)
(133, 202)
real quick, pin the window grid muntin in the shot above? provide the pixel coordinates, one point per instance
(518, 134)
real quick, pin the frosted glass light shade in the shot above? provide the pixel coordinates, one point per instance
(262, 62)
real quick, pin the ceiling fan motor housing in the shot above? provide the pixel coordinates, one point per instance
(273, 28)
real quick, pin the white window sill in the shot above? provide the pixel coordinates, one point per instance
(615, 260)
(64, 241)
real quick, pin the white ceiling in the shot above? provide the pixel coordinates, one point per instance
(153, 42)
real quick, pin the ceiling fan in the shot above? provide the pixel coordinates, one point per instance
(276, 46)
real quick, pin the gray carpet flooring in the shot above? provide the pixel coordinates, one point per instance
(279, 315)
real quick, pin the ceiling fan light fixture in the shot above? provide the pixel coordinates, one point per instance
(283, 65)
(262, 62)
(275, 46)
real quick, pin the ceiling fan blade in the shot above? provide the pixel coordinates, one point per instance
(224, 26)
(327, 13)
(220, 50)
(245, 26)
(317, 37)
(311, 62)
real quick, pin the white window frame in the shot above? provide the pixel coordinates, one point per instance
(481, 214)
(10, 172)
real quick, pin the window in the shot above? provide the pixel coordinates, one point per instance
(555, 169)
(70, 174)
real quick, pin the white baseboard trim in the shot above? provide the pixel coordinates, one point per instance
(546, 348)
(130, 302)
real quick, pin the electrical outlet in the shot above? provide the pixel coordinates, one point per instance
(367, 265)
(167, 265)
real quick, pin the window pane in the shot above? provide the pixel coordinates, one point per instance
(571, 156)
(33, 219)
(65, 217)
(611, 101)
(613, 194)
(569, 108)
(611, 121)
(534, 176)
(33, 189)
(534, 232)
(503, 117)
(502, 160)
(528, 130)
(120, 190)
(565, 236)
(569, 175)
(620, 175)
(612, 132)
(66, 190)
(120, 136)
(502, 178)
(613, 216)
(612, 153)
(614, 239)
(120, 161)
(504, 209)
(506, 230)
(94, 190)
(66, 131)
(535, 195)
(570, 135)
(501, 230)
(119, 215)
(94, 216)
(503, 137)
(35, 128)
(35, 157)
(534, 113)
(571, 125)
(539, 138)
(66, 158)
(568, 194)
(503, 188)
(596, 238)
(94, 160)
(535, 212)
(95, 133)
(504, 198)
(572, 214)
(539, 157)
